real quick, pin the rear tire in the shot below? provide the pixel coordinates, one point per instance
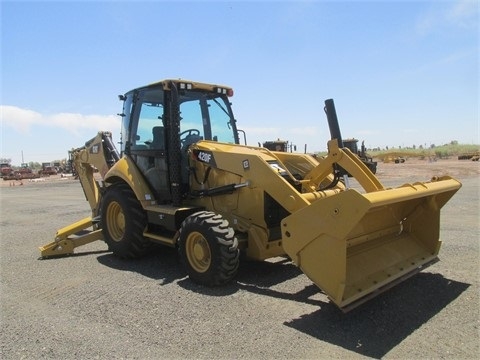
(208, 249)
(123, 222)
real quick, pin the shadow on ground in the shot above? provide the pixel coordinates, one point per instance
(372, 329)
(376, 327)
(160, 264)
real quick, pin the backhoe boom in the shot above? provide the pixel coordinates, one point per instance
(97, 156)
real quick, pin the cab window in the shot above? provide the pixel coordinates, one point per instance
(146, 132)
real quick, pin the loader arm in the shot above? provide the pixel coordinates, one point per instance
(348, 161)
(91, 162)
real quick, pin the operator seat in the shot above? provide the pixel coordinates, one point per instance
(156, 173)
(158, 141)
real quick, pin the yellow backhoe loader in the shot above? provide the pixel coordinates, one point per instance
(183, 179)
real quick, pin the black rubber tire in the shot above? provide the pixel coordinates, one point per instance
(208, 249)
(123, 222)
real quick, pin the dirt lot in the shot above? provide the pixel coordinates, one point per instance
(95, 306)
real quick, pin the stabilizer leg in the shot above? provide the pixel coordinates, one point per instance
(70, 237)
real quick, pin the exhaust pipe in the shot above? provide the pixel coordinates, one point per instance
(333, 122)
(335, 134)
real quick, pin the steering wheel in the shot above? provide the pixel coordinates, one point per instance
(184, 134)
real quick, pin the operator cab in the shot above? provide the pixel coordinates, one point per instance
(161, 121)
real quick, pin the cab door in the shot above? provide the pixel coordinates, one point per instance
(147, 140)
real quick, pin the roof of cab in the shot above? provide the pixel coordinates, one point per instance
(195, 84)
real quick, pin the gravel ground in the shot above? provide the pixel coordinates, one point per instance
(95, 306)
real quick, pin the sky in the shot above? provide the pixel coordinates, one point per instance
(401, 73)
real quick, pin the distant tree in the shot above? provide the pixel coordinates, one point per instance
(454, 142)
(5, 160)
(34, 165)
(414, 147)
(432, 146)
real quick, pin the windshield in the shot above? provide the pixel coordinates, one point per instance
(207, 116)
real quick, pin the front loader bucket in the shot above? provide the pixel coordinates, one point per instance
(353, 245)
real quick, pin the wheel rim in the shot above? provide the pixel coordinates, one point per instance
(115, 221)
(198, 252)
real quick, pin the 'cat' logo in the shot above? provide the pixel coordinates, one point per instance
(95, 149)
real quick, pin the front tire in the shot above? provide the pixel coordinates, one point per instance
(208, 249)
(123, 222)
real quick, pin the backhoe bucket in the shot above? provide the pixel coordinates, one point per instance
(353, 245)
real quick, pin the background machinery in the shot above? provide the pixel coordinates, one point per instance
(5, 170)
(48, 169)
(351, 144)
(279, 145)
(183, 179)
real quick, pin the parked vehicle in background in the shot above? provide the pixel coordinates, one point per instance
(362, 153)
(5, 169)
(48, 169)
